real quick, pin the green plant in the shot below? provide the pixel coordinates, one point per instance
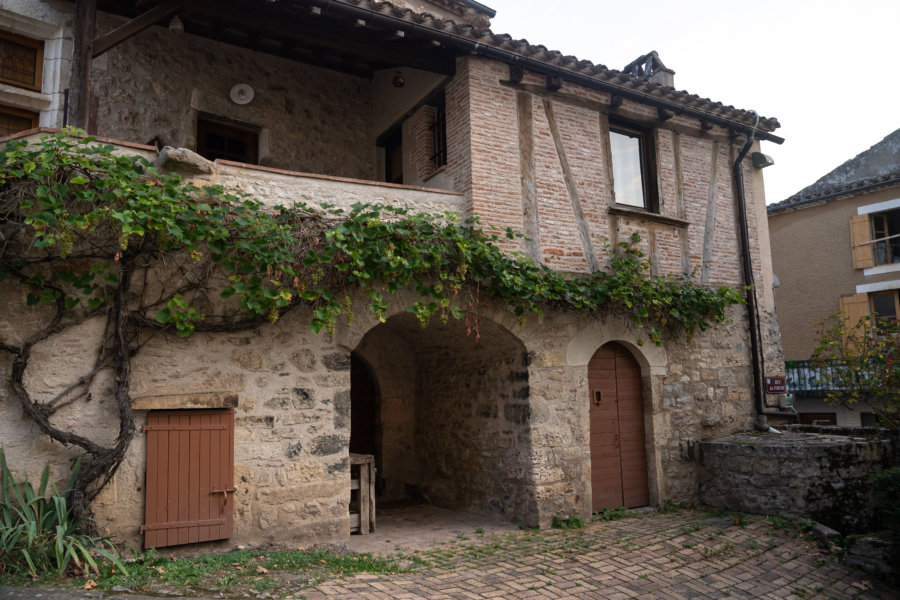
(38, 537)
(245, 569)
(86, 228)
(739, 519)
(570, 522)
(859, 363)
(886, 497)
(611, 514)
(672, 507)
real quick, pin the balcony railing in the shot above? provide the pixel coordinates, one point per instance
(806, 379)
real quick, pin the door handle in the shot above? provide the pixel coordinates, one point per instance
(224, 493)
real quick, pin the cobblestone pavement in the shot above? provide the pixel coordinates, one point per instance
(667, 556)
(672, 556)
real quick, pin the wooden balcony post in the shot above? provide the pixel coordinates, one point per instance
(80, 84)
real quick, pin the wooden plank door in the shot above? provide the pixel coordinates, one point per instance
(618, 454)
(190, 477)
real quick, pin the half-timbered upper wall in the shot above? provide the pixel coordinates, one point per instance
(542, 164)
(153, 87)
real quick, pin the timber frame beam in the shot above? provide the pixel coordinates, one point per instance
(78, 111)
(135, 26)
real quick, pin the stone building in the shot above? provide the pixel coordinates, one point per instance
(836, 246)
(415, 103)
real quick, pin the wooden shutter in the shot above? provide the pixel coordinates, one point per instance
(860, 236)
(855, 308)
(190, 477)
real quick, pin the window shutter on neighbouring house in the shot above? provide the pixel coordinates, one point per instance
(854, 307)
(859, 237)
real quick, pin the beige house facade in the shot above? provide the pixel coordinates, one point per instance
(414, 104)
(836, 246)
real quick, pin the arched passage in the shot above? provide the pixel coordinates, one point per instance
(454, 421)
(617, 440)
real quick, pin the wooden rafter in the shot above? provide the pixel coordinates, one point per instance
(136, 25)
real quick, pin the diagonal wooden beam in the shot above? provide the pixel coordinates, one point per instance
(136, 25)
(581, 223)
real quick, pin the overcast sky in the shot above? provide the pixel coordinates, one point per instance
(828, 71)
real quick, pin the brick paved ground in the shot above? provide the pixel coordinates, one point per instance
(670, 556)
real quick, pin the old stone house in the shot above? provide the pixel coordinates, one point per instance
(414, 103)
(851, 217)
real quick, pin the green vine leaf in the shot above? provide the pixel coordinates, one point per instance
(92, 207)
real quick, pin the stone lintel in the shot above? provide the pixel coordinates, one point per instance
(181, 401)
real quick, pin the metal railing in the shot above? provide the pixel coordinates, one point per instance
(810, 380)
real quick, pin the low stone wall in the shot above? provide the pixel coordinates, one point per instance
(822, 476)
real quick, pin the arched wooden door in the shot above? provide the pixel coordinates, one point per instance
(618, 455)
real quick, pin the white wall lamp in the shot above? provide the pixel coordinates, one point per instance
(242, 94)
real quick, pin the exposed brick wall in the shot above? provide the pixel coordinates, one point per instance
(497, 189)
(459, 135)
(421, 134)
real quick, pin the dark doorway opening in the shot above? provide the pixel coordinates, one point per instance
(451, 421)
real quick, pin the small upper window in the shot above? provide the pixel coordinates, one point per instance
(21, 59)
(886, 237)
(631, 150)
(227, 141)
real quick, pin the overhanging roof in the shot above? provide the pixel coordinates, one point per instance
(361, 36)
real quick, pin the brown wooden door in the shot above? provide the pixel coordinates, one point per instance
(618, 455)
(190, 477)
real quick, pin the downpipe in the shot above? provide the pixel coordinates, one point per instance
(753, 325)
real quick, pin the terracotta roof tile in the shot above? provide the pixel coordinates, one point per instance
(555, 58)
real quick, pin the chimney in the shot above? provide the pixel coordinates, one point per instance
(650, 67)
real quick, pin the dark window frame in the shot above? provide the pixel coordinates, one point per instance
(439, 131)
(38, 72)
(647, 155)
(233, 134)
(884, 225)
(12, 111)
(893, 295)
(393, 149)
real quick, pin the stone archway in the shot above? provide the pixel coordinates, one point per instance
(454, 424)
(653, 362)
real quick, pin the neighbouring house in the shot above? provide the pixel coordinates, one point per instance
(412, 103)
(836, 246)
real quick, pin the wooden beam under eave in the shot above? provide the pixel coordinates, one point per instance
(135, 26)
(78, 113)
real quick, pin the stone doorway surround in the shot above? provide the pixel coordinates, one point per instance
(653, 363)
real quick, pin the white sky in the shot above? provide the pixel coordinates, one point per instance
(828, 71)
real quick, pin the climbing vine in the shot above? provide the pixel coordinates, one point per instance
(91, 232)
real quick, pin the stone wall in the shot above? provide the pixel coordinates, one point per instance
(467, 423)
(821, 476)
(496, 424)
(154, 85)
(473, 423)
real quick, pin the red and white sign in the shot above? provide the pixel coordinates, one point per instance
(776, 385)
